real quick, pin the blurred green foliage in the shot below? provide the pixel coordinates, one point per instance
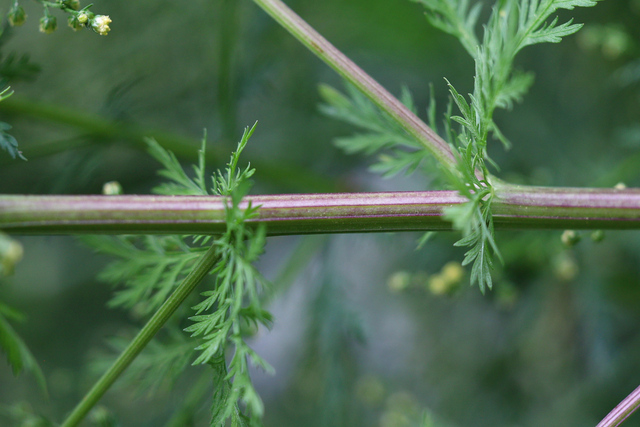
(555, 344)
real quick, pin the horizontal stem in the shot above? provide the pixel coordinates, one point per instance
(513, 207)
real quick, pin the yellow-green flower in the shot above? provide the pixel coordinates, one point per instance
(48, 24)
(74, 23)
(16, 15)
(83, 18)
(100, 24)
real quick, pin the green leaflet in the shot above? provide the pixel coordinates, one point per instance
(512, 25)
(150, 267)
(397, 151)
(18, 354)
(7, 142)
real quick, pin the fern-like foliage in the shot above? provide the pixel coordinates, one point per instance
(7, 142)
(233, 303)
(18, 354)
(150, 267)
(146, 269)
(512, 25)
(397, 151)
(11, 344)
(12, 68)
(474, 219)
(159, 365)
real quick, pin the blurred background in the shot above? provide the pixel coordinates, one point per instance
(368, 330)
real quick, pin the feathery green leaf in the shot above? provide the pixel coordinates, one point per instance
(150, 267)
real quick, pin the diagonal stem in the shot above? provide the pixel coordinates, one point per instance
(356, 76)
(157, 321)
(622, 411)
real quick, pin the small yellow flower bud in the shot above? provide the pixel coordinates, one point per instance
(570, 238)
(48, 24)
(83, 18)
(74, 23)
(447, 280)
(16, 15)
(399, 281)
(100, 24)
(112, 188)
(453, 272)
(10, 254)
(597, 236)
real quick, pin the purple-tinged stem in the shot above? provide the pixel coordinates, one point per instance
(513, 207)
(328, 53)
(622, 411)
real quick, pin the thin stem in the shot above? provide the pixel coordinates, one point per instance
(356, 76)
(227, 39)
(101, 130)
(512, 207)
(202, 268)
(622, 411)
(97, 126)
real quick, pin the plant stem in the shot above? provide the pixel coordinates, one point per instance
(202, 268)
(512, 207)
(97, 126)
(356, 76)
(99, 129)
(622, 411)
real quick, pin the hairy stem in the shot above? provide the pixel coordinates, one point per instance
(356, 76)
(202, 268)
(512, 207)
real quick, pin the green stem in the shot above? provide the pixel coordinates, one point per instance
(97, 126)
(512, 207)
(99, 129)
(229, 29)
(356, 76)
(202, 268)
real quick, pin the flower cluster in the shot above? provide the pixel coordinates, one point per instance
(78, 18)
(100, 24)
(86, 19)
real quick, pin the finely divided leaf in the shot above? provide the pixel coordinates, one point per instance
(17, 352)
(513, 25)
(8, 143)
(397, 150)
(551, 33)
(150, 267)
(182, 184)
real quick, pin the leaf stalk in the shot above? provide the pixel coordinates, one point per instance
(157, 321)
